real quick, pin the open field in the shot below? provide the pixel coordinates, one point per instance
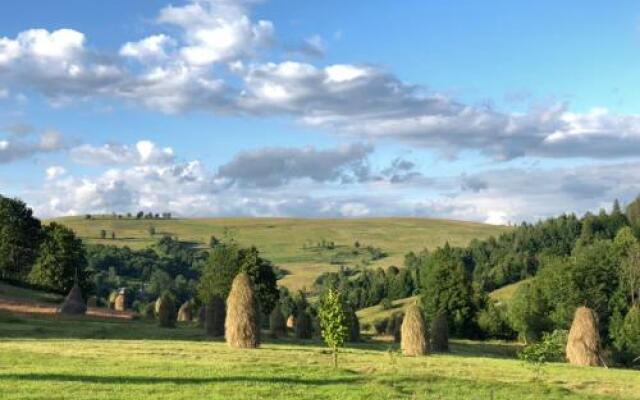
(59, 358)
(290, 243)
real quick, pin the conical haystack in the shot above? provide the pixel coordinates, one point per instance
(291, 322)
(74, 303)
(241, 323)
(166, 311)
(120, 302)
(215, 313)
(277, 323)
(202, 315)
(440, 334)
(184, 313)
(414, 341)
(583, 343)
(304, 325)
(354, 326)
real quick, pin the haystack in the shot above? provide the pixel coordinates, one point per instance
(414, 341)
(241, 324)
(202, 315)
(304, 325)
(120, 302)
(184, 313)
(74, 303)
(291, 322)
(354, 326)
(440, 334)
(583, 343)
(92, 301)
(166, 311)
(215, 314)
(277, 323)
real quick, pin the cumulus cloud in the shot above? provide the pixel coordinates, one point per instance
(213, 61)
(152, 48)
(218, 30)
(145, 152)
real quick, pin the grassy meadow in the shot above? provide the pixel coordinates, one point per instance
(74, 358)
(291, 243)
(372, 314)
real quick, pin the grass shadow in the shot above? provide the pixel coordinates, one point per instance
(149, 380)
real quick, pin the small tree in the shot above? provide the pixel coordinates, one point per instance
(113, 235)
(334, 322)
(152, 230)
(103, 234)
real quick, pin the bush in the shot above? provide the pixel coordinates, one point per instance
(492, 321)
(550, 349)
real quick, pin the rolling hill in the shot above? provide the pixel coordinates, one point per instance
(293, 244)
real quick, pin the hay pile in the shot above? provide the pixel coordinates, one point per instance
(74, 303)
(166, 311)
(291, 322)
(215, 314)
(414, 341)
(202, 315)
(354, 326)
(92, 301)
(184, 313)
(440, 334)
(112, 299)
(304, 325)
(241, 324)
(583, 344)
(120, 301)
(277, 323)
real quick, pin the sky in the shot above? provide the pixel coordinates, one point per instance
(497, 112)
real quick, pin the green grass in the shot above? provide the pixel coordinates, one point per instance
(18, 293)
(371, 314)
(77, 359)
(283, 240)
(506, 293)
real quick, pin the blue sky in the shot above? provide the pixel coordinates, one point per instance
(497, 112)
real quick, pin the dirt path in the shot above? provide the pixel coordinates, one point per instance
(22, 306)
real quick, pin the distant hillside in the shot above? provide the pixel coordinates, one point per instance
(294, 244)
(375, 313)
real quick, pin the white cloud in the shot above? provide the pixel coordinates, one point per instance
(152, 48)
(55, 172)
(144, 153)
(213, 62)
(216, 31)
